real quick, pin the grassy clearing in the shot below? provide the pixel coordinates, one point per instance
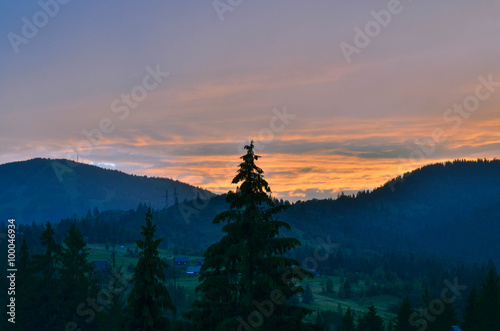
(322, 301)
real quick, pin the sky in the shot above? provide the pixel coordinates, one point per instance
(337, 95)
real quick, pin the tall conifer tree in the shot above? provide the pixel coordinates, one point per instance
(403, 317)
(471, 312)
(24, 290)
(47, 316)
(246, 280)
(149, 298)
(347, 322)
(76, 274)
(370, 321)
(488, 312)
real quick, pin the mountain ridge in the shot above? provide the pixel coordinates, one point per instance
(42, 189)
(451, 208)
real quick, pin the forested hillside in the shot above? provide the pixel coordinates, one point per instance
(41, 190)
(450, 211)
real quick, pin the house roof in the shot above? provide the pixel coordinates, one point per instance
(181, 259)
(191, 270)
(455, 328)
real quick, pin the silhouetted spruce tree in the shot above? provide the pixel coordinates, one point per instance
(246, 269)
(111, 318)
(370, 321)
(489, 303)
(76, 276)
(24, 290)
(48, 315)
(149, 298)
(443, 320)
(329, 286)
(318, 324)
(345, 291)
(307, 296)
(347, 322)
(49, 260)
(470, 312)
(403, 317)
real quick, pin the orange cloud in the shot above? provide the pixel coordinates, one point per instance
(313, 159)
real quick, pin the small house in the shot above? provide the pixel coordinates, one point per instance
(193, 271)
(181, 260)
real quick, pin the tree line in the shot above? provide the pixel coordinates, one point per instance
(250, 280)
(245, 281)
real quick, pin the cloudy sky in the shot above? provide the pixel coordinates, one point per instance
(339, 95)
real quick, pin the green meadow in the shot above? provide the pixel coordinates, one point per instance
(322, 300)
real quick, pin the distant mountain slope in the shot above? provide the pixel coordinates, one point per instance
(450, 209)
(39, 190)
